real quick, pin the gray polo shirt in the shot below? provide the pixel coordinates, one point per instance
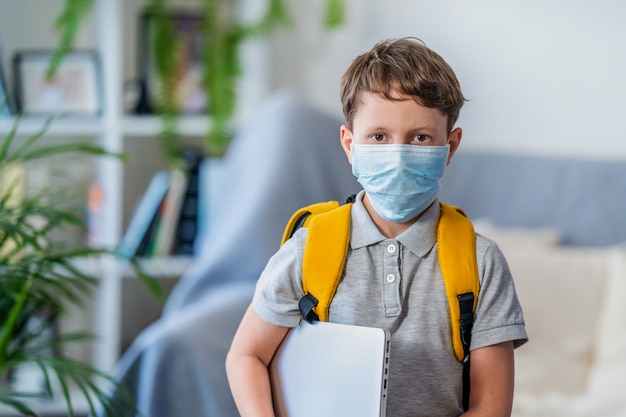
(396, 284)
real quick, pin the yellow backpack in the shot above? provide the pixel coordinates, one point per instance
(328, 237)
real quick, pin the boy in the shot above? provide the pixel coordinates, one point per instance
(401, 101)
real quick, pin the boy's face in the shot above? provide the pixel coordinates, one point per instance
(382, 121)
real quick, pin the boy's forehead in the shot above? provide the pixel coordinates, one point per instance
(393, 94)
(372, 105)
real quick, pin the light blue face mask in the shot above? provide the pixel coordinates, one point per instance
(401, 181)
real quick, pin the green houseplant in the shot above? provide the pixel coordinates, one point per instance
(40, 277)
(223, 35)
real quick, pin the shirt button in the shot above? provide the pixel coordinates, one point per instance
(391, 278)
(391, 248)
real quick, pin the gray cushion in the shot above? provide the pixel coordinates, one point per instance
(584, 199)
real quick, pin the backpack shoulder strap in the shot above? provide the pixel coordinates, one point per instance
(302, 217)
(324, 256)
(456, 243)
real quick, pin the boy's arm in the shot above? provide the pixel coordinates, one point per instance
(491, 381)
(252, 350)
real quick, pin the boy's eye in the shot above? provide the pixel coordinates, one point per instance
(421, 138)
(377, 137)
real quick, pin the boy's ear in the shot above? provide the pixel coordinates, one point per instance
(345, 137)
(454, 140)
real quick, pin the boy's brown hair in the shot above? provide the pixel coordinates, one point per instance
(407, 67)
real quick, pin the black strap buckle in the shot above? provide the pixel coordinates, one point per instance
(306, 305)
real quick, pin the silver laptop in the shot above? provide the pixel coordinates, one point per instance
(329, 369)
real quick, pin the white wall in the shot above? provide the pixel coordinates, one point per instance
(543, 76)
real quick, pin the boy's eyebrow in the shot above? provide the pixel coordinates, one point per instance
(427, 129)
(373, 128)
(420, 129)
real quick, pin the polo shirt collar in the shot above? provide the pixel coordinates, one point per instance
(419, 238)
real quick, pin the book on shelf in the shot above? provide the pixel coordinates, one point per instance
(167, 219)
(147, 241)
(210, 178)
(187, 229)
(144, 215)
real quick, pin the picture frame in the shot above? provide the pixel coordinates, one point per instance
(75, 89)
(189, 91)
(6, 104)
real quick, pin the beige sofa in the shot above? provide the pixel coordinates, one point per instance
(573, 300)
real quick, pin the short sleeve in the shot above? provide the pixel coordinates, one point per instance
(499, 316)
(279, 288)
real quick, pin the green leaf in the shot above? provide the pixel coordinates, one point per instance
(335, 14)
(17, 405)
(8, 139)
(46, 151)
(30, 141)
(149, 281)
(16, 310)
(65, 390)
(68, 22)
(84, 389)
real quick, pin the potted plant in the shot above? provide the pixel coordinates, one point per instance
(223, 35)
(40, 276)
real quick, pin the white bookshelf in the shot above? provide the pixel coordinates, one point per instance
(150, 126)
(131, 126)
(112, 129)
(165, 267)
(59, 127)
(113, 23)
